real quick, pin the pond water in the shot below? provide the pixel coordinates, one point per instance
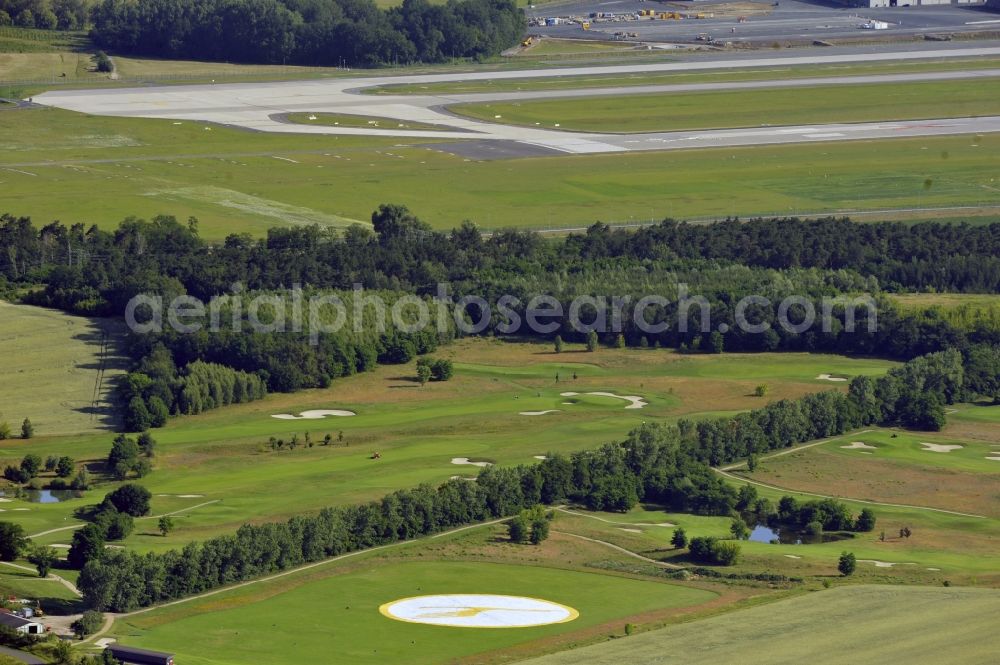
(47, 496)
(765, 534)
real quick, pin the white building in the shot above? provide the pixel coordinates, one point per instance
(16, 623)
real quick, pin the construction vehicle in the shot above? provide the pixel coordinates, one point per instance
(585, 25)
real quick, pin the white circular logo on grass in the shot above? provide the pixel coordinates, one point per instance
(478, 611)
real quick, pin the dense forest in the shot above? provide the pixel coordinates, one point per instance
(46, 14)
(308, 32)
(90, 271)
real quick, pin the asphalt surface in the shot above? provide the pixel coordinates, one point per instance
(765, 22)
(259, 106)
(22, 656)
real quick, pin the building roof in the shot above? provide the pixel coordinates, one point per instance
(14, 621)
(135, 651)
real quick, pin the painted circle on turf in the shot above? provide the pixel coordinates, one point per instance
(478, 610)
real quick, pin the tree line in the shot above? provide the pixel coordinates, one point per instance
(45, 14)
(656, 463)
(308, 32)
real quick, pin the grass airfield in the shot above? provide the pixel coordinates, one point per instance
(235, 181)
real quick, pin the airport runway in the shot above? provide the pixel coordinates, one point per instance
(261, 106)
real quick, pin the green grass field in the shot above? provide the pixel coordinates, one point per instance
(339, 614)
(927, 626)
(747, 108)
(947, 472)
(52, 372)
(682, 77)
(213, 466)
(343, 120)
(232, 181)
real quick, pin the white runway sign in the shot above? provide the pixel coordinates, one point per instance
(478, 611)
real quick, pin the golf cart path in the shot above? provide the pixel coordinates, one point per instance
(74, 527)
(607, 521)
(622, 550)
(51, 577)
(260, 106)
(110, 618)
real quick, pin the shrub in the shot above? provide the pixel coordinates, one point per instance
(847, 564)
(131, 499)
(88, 624)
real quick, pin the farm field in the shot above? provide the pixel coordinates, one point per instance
(239, 182)
(937, 625)
(54, 371)
(661, 78)
(218, 470)
(747, 108)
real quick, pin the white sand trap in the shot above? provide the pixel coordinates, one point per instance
(538, 413)
(315, 414)
(940, 447)
(635, 402)
(827, 377)
(571, 403)
(859, 445)
(630, 530)
(20, 509)
(3, 500)
(995, 459)
(478, 611)
(934, 569)
(105, 641)
(190, 496)
(792, 556)
(541, 457)
(465, 460)
(885, 564)
(60, 546)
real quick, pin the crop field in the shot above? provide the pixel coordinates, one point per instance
(938, 625)
(726, 109)
(58, 370)
(218, 471)
(56, 162)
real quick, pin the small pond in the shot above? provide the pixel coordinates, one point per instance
(47, 496)
(765, 534)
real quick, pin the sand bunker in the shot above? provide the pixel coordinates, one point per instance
(183, 496)
(541, 457)
(478, 611)
(934, 569)
(538, 413)
(995, 459)
(315, 414)
(792, 556)
(829, 377)
(940, 447)
(465, 460)
(630, 530)
(635, 402)
(859, 445)
(3, 500)
(885, 564)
